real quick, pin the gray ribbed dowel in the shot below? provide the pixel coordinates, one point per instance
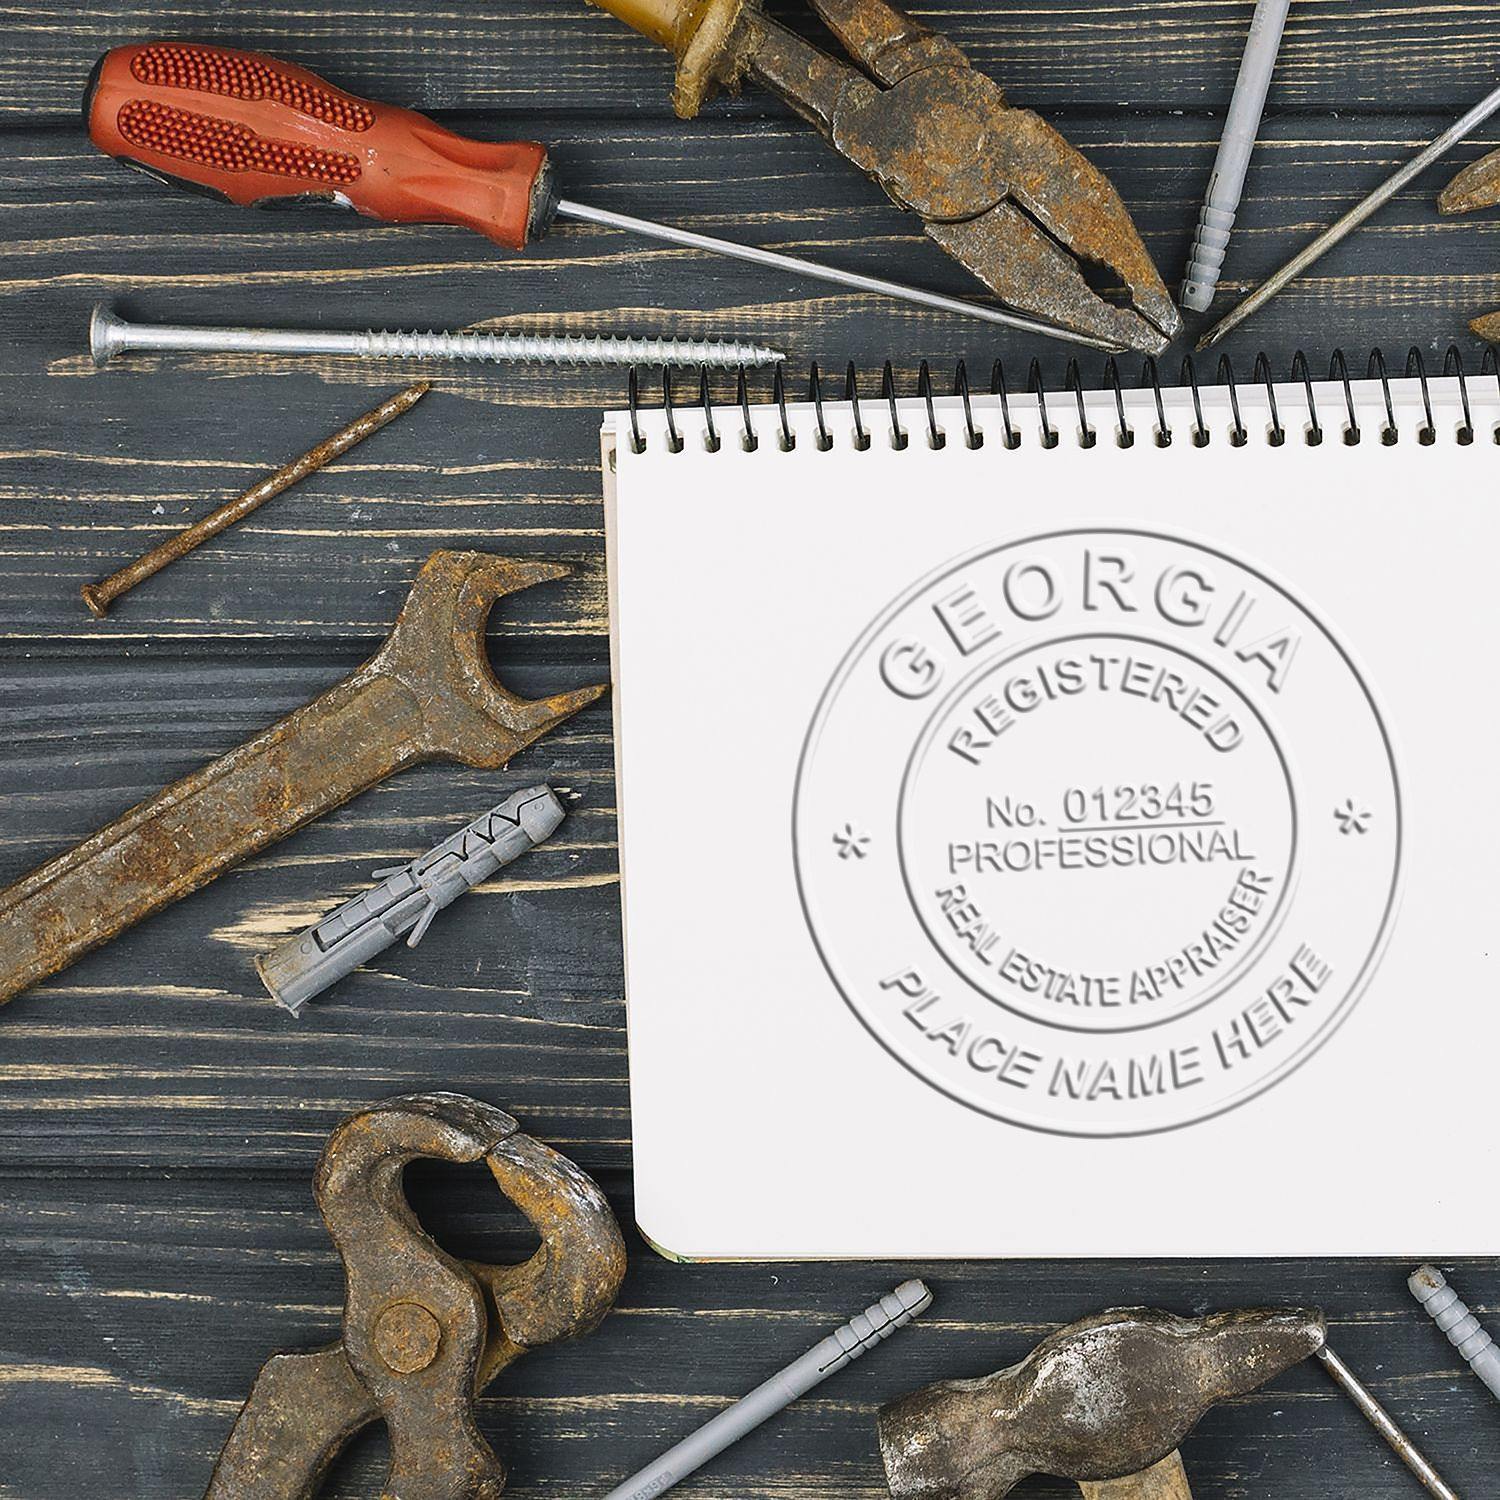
(110, 334)
(1227, 181)
(893, 1311)
(1430, 1287)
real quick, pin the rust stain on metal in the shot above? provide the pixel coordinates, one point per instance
(423, 1333)
(1487, 327)
(429, 693)
(1476, 187)
(996, 187)
(99, 596)
(1105, 1399)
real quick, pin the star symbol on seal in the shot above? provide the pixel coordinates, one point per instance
(1352, 818)
(851, 843)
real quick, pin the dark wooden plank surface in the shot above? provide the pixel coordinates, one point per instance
(159, 1118)
(565, 58)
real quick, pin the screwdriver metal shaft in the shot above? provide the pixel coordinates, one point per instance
(567, 209)
(1356, 216)
(169, 108)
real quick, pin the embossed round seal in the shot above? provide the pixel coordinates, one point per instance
(1099, 832)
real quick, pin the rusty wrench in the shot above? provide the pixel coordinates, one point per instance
(428, 694)
(423, 1333)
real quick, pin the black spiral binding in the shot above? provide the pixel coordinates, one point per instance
(1162, 434)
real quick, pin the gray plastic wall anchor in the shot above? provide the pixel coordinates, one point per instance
(1226, 182)
(407, 898)
(844, 1345)
(1430, 1288)
(1206, 259)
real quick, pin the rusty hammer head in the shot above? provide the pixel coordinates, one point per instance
(1106, 1398)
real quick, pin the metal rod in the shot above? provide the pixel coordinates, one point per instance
(99, 596)
(110, 335)
(1354, 218)
(1383, 1423)
(795, 264)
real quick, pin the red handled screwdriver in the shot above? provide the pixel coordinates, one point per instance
(257, 131)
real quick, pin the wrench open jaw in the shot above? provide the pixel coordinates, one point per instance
(998, 188)
(1476, 187)
(429, 693)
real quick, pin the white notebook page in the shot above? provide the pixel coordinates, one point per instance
(1061, 851)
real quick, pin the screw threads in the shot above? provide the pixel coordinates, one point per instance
(1461, 1328)
(111, 335)
(583, 349)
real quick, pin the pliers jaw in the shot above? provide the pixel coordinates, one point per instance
(1476, 187)
(998, 188)
(423, 1333)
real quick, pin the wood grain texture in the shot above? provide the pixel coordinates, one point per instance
(159, 1116)
(563, 57)
(149, 1309)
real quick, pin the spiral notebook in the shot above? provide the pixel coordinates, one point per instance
(1062, 824)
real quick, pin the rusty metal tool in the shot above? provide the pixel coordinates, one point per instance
(259, 131)
(997, 187)
(423, 1333)
(1476, 187)
(408, 897)
(429, 693)
(1347, 223)
(99, 596)
(1103, 1402)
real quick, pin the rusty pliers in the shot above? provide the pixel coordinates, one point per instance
(1476, 187)
(998, 188)
(423, 1333)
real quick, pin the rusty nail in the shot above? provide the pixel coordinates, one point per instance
(99, 596)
